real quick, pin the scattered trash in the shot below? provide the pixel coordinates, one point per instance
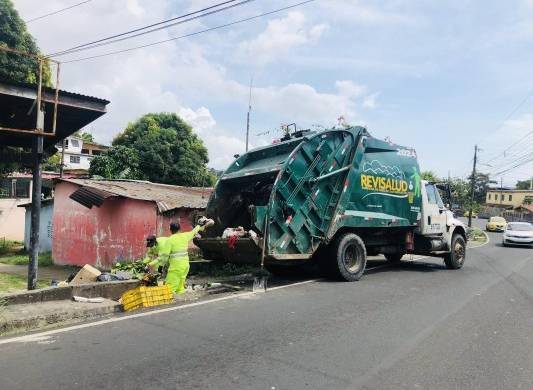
(63, 283)
(88, 300)
(234, 232)
(232, 242)
(135, 269)
(87, 274)
(107, 277)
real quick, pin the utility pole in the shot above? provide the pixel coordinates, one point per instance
(35, 216)
(472, 188)
(248, 116)
(501, 190)
(62, 158)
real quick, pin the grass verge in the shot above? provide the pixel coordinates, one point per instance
(21, 257)
(12, 283)
(476, 235)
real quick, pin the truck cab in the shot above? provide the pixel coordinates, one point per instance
(438, 225)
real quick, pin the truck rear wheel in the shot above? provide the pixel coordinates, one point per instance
(350, 257)
(456, 257)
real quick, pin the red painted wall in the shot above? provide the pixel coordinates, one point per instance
(101, 236)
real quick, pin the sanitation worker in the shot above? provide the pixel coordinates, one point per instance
(176, 248)
(156, 255)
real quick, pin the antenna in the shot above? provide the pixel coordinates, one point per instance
(248, 115)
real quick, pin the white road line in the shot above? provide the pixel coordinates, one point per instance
(293, 284)
(39, 336)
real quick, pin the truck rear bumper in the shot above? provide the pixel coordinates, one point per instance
(243, 250)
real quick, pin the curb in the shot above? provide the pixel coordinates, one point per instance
(14, 323)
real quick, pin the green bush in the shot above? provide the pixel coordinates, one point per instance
(22, 258)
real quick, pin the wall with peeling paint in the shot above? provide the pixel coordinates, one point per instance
(101, 236)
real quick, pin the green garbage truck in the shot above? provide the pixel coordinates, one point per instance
(333, 197)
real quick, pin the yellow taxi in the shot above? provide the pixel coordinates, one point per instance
(496, 224)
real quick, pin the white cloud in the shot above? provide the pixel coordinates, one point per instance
(135, 8)
(370, 101)
(179, 77)
(354, 11)
(200, 120)
(279, 37)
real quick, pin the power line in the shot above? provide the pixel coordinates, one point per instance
(522, 160)
(139, 31)
(190, 34)
(515, 109)
(511, 146)
(57, 12)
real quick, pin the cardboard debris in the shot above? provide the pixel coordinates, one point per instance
(87, 274)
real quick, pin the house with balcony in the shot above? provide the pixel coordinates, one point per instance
(79, 153)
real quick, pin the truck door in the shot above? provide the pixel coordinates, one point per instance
(434, 216)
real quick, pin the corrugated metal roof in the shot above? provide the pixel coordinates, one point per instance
(167, 197)
(52, 90)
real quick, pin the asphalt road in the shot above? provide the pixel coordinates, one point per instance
(416, 326)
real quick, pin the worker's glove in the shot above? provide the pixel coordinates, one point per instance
(202, 221)
(209, 222)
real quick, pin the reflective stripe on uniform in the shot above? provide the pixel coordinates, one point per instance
(178, 254)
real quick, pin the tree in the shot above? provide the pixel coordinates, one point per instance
(16, 67)
(430, 176)
(158, 147)
(524, 184)
(84, 135)
(120, 162)
(482, 182)
(14, 35)
(52, 163)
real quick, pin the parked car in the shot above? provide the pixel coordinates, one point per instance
(496, 224)
(518, 233)
(467, 214)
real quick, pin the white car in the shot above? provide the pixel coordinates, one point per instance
(518, 233)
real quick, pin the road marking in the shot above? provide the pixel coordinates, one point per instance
(44, 335)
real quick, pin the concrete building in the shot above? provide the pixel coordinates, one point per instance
(508, 198)
(78, 153)
(100, 222)
(15, 190)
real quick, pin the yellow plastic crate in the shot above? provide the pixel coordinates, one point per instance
(144, 296)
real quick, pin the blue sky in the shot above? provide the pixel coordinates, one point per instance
(437, 76)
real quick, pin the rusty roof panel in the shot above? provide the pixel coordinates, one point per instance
(167, 197)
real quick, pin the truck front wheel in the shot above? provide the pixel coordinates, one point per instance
(350, 257)
(456, 257)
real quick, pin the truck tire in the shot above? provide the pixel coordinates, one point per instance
(456, 257)
(394, 258)
(349, 257)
